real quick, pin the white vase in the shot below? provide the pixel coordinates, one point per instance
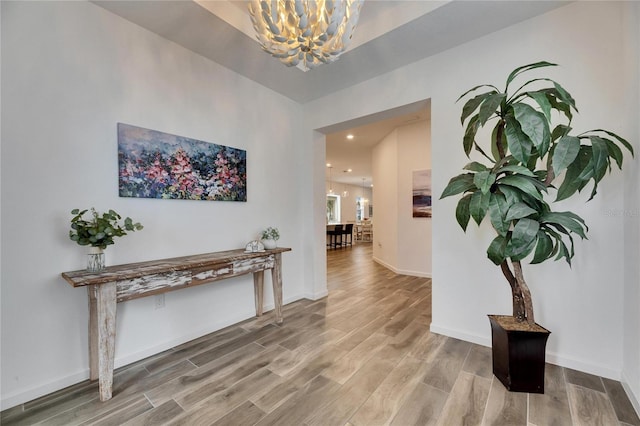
(269, 244)
(95, 259)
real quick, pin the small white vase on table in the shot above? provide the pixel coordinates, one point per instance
(270, 236)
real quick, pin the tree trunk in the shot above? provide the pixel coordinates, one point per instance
(499, 146)
(516, 293)
(525, 292)
(520, 293)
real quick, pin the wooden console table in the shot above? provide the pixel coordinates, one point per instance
(120, 283)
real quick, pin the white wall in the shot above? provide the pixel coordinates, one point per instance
(70, 72)
(582, 306)
(384, 165)
(631, 213)
(414, 233)
(402, 243)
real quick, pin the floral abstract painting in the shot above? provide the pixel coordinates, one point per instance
(422, 193)
(154, 164)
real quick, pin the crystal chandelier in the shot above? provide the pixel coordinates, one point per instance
(304, 33)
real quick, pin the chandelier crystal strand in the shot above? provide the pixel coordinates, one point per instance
(304, 32)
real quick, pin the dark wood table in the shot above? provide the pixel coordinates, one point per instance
(120, 283)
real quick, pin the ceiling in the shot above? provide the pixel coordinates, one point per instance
(390, 34)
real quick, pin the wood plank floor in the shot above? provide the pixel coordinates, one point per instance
(362, 356)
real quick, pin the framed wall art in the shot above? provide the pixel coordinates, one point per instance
(422, 193)
(153, 164)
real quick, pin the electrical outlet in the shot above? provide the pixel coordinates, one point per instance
(159, 299)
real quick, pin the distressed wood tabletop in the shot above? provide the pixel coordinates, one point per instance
(129, 271)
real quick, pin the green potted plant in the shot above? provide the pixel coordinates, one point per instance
(269, 237)
(98, 232)
(523, 163)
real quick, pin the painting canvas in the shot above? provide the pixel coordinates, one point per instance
(422, 193)
(154, 164)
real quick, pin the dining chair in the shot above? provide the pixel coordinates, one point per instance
(333, 236)
(367, 232)
(346, 238)
(358, 232)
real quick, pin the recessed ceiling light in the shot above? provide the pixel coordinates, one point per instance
(350, 136)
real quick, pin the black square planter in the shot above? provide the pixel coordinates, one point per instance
(518, 356)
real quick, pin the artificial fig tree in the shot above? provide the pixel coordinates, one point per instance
(528, 160)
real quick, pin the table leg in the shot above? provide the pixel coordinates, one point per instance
(102, 335)
(276, 278)
(258, 290)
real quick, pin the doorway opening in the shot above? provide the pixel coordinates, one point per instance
(373, 160)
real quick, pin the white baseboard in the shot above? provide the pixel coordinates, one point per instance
(635, 399)
(22, 396)
(316, 296)
(37, 391)
(551, 357)
(461, 335)
(403, 271)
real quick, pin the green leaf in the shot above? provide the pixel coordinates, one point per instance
(476, 88)
(497, 211)
(473, 104)
(563, 252)
(524, 184)
(544, 248)
(511, 194)
(534, 125)
(528, 67)
(552, 97)
(470, 134)
(484, 180)
(474, 166)
(614, 152)
(600, 157)
(563, 230)
(567, 220)
(577, 174)
(489, 106)
(577, 218)
(496, 250)
(621, 140)
(564, 95)
(565, 153)
(519, 211)
(462, 212)
(545, 105)
(559, 131)
(458, 184)
(478, 205)
(523, 239)
(519, 143)
(515, 168)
